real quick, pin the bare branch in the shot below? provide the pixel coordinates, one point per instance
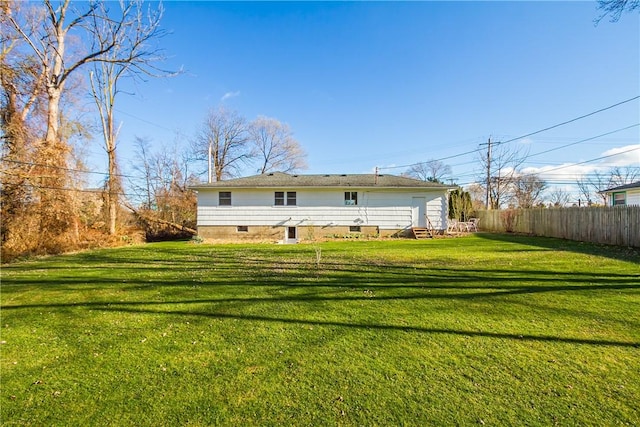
(615, 8)
(225, 135)
(275, 147)
(505, 161)
(430, 171)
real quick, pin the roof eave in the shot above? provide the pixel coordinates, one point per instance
(332, 187)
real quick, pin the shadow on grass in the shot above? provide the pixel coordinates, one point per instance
(383, 327)
(486, 283)
(142, 307)
(174, 273)
(425, 292)
(619, 253)
(151, 268)
(127, 308)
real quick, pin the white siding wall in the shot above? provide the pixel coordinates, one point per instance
(633, 197)
(320, 207)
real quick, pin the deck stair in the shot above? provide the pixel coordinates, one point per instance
(421, 232)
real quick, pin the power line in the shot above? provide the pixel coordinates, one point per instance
(79, 190)
(68, 169)
(564, 166)
(148, 122)
(584, 140)
(528, 134)
(434, 160)
(570, 121)
(591, 160)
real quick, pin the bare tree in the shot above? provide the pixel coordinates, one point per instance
(274, 146)
(527, 190)
(624, 175)
(477, 193)
(585, 191)
(615, 8)
(20, 78)
(48, 30)
(168, 206)
(47, 37)
(592, 186)
(559, 197)
(143, 187)
(130, 56)
(504, 163)
(224, 143)
(431, 171)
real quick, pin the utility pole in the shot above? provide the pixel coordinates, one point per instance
(488, 195)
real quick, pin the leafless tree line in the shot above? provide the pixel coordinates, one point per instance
(229, 144)
(591, 187)
(430, 171)
(49, 51)
(504, 183)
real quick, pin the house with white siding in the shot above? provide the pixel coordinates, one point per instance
(290, 208)
(628, 194)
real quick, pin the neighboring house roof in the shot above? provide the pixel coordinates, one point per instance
(284, 180)
(622, 187)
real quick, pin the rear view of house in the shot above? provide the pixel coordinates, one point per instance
(291, 208)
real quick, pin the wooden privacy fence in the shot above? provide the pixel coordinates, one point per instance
(618, 225)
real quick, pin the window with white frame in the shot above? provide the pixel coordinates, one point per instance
(350, 198)
(279, 198)
(224, 198)
(285, 198)
(291, 198)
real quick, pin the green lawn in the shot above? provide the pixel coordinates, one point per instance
(485, 329)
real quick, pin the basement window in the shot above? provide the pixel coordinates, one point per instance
(354, 229)
(224, 198)
(242, 229)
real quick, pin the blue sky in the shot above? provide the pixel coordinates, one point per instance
(386, 84)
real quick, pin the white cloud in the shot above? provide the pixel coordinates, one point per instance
(623, 156)
(229, 95)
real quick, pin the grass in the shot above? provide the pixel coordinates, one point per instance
(487, 329)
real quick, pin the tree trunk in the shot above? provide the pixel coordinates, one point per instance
(114, 179)
(56, 217)
(149, 218)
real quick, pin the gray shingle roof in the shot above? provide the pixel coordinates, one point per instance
(623, 187)
(284, 180)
